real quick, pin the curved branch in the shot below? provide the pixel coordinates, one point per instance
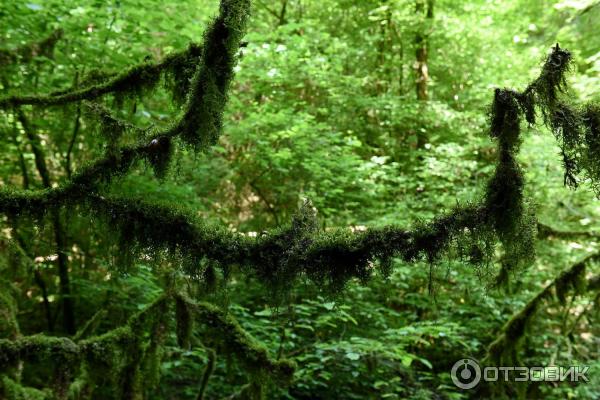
(200, 122)
(514, 329)
(229, 337)
(276, 258)
(545, 231)
(128, 80)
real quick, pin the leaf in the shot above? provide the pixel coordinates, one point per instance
(264, 313)
(352, 356)
(380, 384)
(406, 360)
(305, 326)
(425, 362)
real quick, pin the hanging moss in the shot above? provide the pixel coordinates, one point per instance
(128, 357)
(552, 80)
(123, 357)
(227, 337)
(577, 131)
(132, 82)
(159, 155)
(514, 223)
(180, 73)
(110, 127)
(590, 117)
(201, 123)
(504, 196)
(9, 326)
(184, 323)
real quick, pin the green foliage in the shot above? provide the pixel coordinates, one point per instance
(159, 233)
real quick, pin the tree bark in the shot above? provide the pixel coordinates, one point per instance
(422, 57)
(421, 51)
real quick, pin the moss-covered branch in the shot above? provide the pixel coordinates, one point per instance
(329, 258)
(332, 257)
(545, 231)
(503, 350)
(9, 326)
(122, 356)
(200, 122)
(224, 334)
(133, 79)
(209, 67)
(10, 389)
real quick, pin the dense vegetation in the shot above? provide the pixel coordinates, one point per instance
(297, 199)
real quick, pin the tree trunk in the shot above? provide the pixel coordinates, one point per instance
(62, 261)
(421, 54)
(421, 51)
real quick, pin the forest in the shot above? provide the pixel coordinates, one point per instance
(299, 199)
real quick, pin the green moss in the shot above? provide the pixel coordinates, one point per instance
(129, 356)
(503, 350)
(132, 82)
(180, 73)
(11, 390)
(226, 336)
(159, 155)
(9, 326)
(573, 280)
(184, 323)
(111, 128)
(201, 123)
(37, 348)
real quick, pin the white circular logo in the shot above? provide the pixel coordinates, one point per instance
(466, 373)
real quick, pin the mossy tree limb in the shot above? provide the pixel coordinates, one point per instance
(134, 78)
(502, 351)
(99, 354)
